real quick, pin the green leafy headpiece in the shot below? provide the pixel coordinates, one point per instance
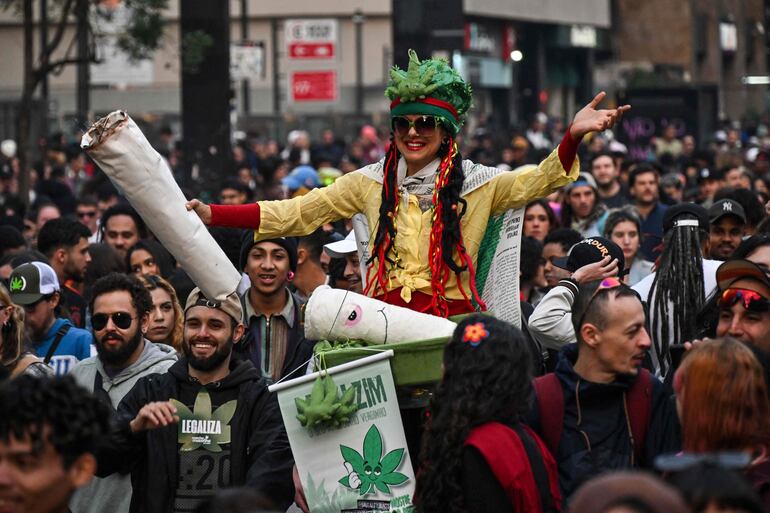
(431, 87)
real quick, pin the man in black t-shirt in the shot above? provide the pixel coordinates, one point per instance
(65, 243)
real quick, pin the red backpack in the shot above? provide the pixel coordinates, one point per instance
(550, 405)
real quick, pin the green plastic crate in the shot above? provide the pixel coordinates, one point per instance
(414, 363)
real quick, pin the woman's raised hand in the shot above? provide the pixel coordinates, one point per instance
(200, 208)
(590, 119)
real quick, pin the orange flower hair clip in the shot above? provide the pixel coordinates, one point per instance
(475, 333)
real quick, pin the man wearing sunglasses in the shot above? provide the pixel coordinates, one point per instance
(744, 302)
(600, 411)
(120, 307)
(206, 424)
(35, 287)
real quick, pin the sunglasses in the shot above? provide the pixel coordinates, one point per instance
(423, 125)
(752, 301)
(81, 215)
(121, 320)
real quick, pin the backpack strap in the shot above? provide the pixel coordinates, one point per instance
(639, 399)
(539, 471)
(550, 405)
(63, 329)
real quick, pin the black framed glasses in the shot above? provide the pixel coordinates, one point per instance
(423, 125)
(121, 320)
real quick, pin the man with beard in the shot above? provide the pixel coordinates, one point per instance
(643, 186)
(65, 243)
(35, 287)
(607, 176)
(275, 336)
(744, 303)
(208, 423)
(120, 308)
(728, 226)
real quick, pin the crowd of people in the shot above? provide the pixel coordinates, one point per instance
(637, 382)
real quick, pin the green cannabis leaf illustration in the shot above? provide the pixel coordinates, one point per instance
(372, 469)
(202, 411)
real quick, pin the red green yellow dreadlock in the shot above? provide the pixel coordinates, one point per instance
(445, 236)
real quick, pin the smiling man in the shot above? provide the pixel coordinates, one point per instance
(176, 464)
(599, 411)
(47, 443)
(275, 338)
(120, 307)
(744, 303)
(727, 227)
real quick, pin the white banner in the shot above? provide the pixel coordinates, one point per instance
(359, 466)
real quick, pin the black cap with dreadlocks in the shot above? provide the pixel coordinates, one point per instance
(677, 292)
(72, 420)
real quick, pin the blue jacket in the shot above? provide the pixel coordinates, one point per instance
(74, 347)
(604, 423)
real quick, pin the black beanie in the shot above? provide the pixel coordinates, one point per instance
(287, 243)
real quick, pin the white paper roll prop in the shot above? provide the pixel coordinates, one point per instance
(122, 151)
(335, 314)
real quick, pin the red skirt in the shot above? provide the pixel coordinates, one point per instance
(421, 302)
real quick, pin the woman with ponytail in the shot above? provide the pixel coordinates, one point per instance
(426, 207)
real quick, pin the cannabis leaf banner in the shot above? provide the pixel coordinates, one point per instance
(362, 464)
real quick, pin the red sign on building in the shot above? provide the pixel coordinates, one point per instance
(299, 50)
(314, 86)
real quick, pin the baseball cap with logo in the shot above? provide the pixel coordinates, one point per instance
(726, 207)
(30, 282)
(589, 251)
(230, 305)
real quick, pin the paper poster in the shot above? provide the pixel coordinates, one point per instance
(500, 285)
(359, 466)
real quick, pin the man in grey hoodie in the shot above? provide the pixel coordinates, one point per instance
(120, 307)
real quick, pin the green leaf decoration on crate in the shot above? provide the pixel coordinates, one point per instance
(201, 427)
(324, 406)
(371, 471)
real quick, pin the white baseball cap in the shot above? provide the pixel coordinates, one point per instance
(342, 247)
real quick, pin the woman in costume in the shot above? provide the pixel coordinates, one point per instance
(477, 454)
(427, 208)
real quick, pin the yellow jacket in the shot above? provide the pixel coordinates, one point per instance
(358, 192)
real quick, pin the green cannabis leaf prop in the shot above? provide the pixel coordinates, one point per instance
(325, 406)
(412, 85)
(202, 412)
(433, 78)
(374, 470)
